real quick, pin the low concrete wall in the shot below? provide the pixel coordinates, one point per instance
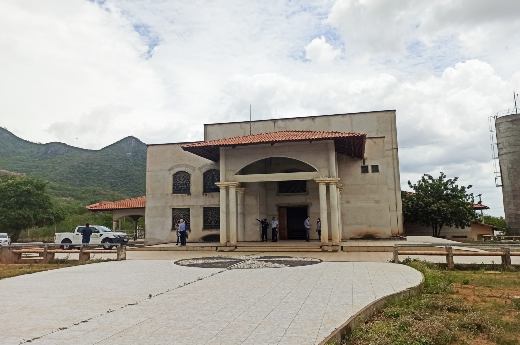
(355, 320)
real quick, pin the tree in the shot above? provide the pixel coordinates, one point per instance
(500, 224)
(24, 203)
(438, 202)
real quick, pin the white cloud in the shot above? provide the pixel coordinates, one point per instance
(159, 70)
(390, 28)
(320, 51)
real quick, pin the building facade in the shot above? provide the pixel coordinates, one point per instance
(343, 169)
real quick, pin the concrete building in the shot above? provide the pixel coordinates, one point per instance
(471, 233)
(508, 144)
(343, 169)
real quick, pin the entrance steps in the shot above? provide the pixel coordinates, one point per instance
(278, 248)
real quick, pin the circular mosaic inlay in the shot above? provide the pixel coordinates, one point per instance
(248, 262)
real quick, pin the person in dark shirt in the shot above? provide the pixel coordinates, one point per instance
(265, 225)
(87, 232)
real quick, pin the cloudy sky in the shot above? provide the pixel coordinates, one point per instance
(89, 73)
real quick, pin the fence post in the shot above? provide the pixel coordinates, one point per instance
(396, 254)
(8, 257)
(449, 257)
(506, 256)
(83, 256)
(47, 257)
(121, 252)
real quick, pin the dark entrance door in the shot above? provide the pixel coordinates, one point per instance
(282, 223)
(295, 218)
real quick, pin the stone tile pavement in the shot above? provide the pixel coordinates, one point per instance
(298, 305)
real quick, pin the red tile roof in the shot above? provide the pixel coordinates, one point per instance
(480, 207)
(118, 205)
(345, 142)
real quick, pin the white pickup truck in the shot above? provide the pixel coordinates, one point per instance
(100, 235)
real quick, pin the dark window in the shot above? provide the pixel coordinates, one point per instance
(181, 213)
(292, 187)
(364, 169)
(181, 183)
(375, 168)
(211, 216)
(209, 179)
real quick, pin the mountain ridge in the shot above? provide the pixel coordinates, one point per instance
(119, 167)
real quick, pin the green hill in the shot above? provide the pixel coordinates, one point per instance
(118, 170)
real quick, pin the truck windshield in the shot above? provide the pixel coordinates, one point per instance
(104, 229)
(3, 235)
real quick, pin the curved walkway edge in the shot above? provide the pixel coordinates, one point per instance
(355, 320)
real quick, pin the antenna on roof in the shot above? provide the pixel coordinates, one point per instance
(515, 97)
(250, 118)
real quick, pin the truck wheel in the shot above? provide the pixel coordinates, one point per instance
(66, 246)
(106, 244)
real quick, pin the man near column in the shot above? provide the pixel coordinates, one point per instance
(307, 225)
(265, 225)
(182, 232)
(274, 228)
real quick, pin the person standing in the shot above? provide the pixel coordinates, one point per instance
(265, 225)
(307, 225)
(318, 229)
(182, 232)
(177, 231)
(86, 233)
(274, 229)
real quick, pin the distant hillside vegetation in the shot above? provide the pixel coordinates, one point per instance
(119, 169)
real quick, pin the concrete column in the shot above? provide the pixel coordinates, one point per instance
(340, 218)
(332, 159)
(223, 213)
(114, 225)
(233, 214)
(334, 226)
(222, 164)
(241, 226)
(323, 212)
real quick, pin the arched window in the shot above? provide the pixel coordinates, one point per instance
(209, 179)
(181, 183)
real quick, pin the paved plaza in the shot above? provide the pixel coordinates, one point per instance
(109, 303)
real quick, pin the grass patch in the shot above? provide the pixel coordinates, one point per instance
(454, 307)
(13, 270)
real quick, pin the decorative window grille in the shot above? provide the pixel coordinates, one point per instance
(292, 187)
(211, 216)
(209, 179)
(364, 169)
(181, 183)
(181, 213)
(375, 168)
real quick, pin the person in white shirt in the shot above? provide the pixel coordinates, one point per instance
(307, 225)
(274, 227)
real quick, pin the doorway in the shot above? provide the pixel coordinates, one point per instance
(291, 220)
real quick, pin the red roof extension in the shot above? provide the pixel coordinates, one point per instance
(119, 205)
(345, 142)
(480, 207)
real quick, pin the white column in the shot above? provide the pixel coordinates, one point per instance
(114, 225)
(334, 229)
(223, 213)
(323, 212)
(340, 218)
(233, 213)
(222, 164)
(241, 216)
(332, 159)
